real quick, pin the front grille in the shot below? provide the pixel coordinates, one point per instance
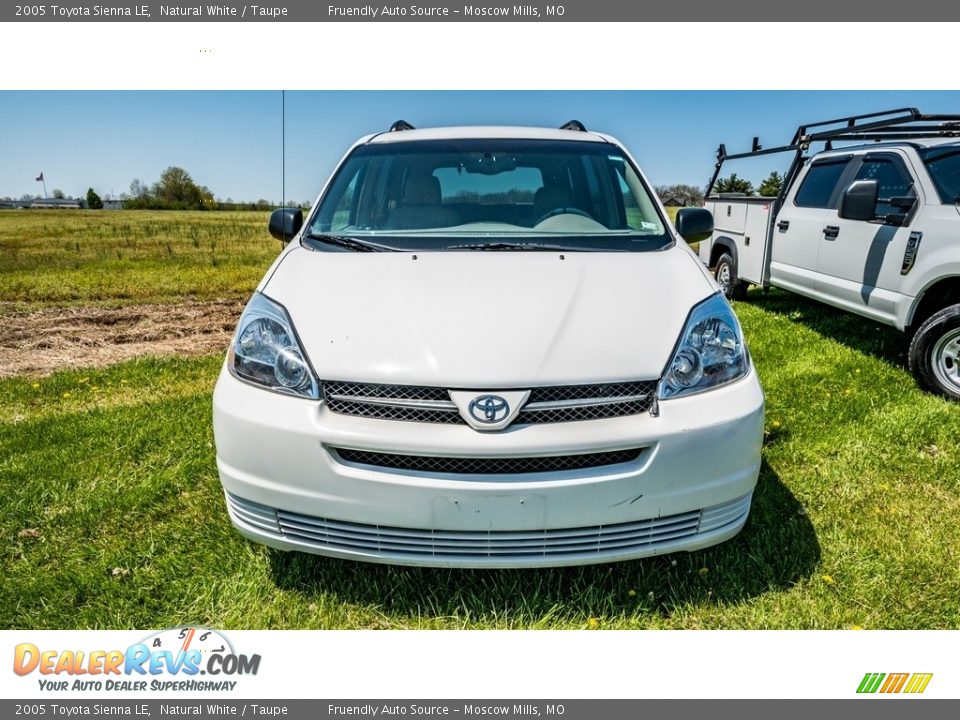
(487, 466)
(562, 403)
(412, 403)
(497, 546)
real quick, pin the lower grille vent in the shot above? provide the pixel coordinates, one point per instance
(488, 466)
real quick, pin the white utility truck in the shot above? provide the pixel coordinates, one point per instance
(872, 227)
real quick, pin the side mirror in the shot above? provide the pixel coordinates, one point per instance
(285, 223)
(860, 200)
(694, 224)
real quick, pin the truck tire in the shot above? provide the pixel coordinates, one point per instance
(935, 353)
(728, 280)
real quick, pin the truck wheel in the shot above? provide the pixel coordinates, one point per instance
(935, 353)
(728, 280)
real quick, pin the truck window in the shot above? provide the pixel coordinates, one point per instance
(819, 184)
(892, 181)
(943, 164)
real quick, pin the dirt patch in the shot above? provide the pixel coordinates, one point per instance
(44, 341)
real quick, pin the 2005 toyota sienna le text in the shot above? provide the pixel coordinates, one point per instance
(488, 347)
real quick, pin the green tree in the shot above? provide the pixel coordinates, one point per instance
(771, 186)
(176, 188)
(58, 194)
(207, 201)
(93, 200)
(733, 184)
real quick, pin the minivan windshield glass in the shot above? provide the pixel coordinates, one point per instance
(466, 194)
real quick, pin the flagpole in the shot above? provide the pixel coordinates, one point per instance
(44, 187)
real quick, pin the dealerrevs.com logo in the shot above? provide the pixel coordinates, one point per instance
(891, 683)
(180, 659)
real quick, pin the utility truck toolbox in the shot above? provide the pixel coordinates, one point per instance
(488, 347)
(869, 222)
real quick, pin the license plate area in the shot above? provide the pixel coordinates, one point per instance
(490, 512)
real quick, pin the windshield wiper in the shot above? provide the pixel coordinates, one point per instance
(515, 246)
(346, 242)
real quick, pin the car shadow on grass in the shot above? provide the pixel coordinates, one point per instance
(777, 548)
(857, 333)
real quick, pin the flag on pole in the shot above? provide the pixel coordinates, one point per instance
(40, 179)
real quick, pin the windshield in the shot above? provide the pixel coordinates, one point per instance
(472, 194)
(943, 163)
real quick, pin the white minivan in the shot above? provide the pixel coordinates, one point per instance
(488, 347)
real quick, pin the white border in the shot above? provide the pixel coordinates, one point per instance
(487, 55)
(561, 56)
(544, 664)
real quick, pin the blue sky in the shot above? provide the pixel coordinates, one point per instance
(230, 141)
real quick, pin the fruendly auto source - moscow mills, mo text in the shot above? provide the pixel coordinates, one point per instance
(467, 11)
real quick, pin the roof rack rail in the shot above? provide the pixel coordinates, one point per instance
(573, 125)
(897, 124)
(401, 125)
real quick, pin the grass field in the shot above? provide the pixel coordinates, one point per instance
(56, 257)
(113, 516)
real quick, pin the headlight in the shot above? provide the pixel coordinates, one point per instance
(265, 351)
(710, 352)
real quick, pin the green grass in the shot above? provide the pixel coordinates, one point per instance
(83, 257)
(113, 516)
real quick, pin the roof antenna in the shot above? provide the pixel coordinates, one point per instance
(283, 148)
(401, 125)
(573, 125)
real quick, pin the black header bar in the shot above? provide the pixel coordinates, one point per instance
(459, 11)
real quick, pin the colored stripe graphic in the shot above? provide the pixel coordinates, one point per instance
(894, 683)
(918, 682)
(870, 682)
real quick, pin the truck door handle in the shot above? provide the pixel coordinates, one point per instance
(830, 232)
(783, 225)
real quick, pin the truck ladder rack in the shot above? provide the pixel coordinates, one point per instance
(898, 124)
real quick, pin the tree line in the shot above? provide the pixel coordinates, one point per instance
(691, 196)
(175, 190)
(770, 187)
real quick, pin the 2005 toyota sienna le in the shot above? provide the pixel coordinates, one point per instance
(488, 347)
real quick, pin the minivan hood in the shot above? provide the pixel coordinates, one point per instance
(488, 320)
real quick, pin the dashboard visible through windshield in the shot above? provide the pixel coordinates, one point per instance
(488, 194)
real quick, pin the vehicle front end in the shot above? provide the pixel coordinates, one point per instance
(550, 401)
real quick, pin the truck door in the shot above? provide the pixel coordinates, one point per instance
(859, 262)
(795, 242)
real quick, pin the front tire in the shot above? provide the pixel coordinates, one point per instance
(935, 353)
(728, 280)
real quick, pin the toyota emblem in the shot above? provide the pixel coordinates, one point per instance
(489, 409)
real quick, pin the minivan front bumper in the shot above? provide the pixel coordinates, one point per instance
(687, 484)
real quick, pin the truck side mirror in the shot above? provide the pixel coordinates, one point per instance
(860, 200)
(694, 224)
(285, 223)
